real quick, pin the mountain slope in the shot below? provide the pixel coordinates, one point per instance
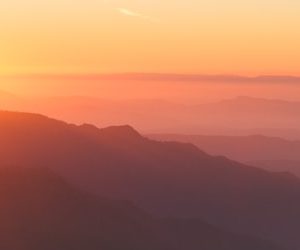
(41, 211)
(274, 154)
(165, 178)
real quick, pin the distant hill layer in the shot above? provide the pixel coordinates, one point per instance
(272, 153)
(238, 116)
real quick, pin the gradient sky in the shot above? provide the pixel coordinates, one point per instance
(248, 37)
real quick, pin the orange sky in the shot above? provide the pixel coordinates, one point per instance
(210, 36)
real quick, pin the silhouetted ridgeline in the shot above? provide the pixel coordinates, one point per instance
(272, 153)
(164, 178)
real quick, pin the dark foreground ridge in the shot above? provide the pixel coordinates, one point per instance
(39, 210)
(166, 179)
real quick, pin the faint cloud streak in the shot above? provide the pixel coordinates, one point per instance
(130, 13)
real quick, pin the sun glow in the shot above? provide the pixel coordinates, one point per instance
(225, 37)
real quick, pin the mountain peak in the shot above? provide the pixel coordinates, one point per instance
(89, 127)
(123, 131)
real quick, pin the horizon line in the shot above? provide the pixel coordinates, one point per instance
(162, 77)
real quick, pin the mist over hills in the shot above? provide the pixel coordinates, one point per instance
(251, 113)
(149, 125)
(272, 153)
(164, 178)
(238, 116)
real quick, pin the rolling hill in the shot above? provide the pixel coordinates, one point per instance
(39, 210)
(167, 179)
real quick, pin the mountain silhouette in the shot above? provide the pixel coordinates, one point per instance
(271, 153)
(248, 113)
(39, 210)
(167, 179)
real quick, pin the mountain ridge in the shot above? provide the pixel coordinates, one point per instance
(255, 149)
(165, 179)
(41, 211)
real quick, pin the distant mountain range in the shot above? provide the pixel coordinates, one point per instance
(239, 116)
(167, 179)
(272, 153)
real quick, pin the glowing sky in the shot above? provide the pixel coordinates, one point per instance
(209, 36)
